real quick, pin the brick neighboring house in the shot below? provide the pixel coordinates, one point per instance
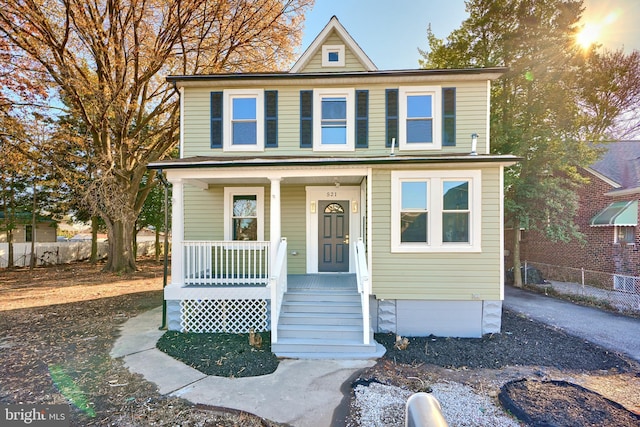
(608, 218)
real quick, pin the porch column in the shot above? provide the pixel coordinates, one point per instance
(275, 230)
(177, 232)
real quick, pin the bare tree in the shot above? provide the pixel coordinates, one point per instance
(610, 89)
(108, 59)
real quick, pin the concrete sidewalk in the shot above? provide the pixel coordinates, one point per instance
(303, 393)
(612, 331)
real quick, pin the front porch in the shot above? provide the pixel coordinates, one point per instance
(239, 286)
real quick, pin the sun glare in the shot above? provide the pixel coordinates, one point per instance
(594, 31)
(588, 35)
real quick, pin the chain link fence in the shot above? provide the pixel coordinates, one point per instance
(619, 291)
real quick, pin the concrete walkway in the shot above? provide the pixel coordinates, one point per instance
(612, 331)
(302, 393)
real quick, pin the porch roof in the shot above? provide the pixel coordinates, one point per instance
(235, 161)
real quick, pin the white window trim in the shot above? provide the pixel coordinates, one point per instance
(339, 49)
(227, 115)
(435, 208)
(229, 192)
(436, 97)
(318, 95)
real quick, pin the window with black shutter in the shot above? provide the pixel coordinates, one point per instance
(391, 102)
(306, 119)
(271, 118)
(362, 118)
(449, 116)
(216, 119)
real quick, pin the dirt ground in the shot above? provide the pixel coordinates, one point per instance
(58, 324)
(57, 327)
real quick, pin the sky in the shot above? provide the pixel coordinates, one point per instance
(391, 31)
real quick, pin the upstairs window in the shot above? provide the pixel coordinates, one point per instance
(419, 121)
(244, 123)
(243, 117)
(334, 120)
(333, 56)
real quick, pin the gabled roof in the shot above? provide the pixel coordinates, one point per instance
(620, 164)
(316, 45)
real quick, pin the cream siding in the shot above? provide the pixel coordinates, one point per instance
(436, 276)
(45, 232)
(471, 117)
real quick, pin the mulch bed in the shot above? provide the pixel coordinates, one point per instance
(223, 355)
(560, 403)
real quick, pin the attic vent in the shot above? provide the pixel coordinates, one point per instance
(333, 56)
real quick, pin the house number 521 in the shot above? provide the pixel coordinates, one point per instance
(332, 194)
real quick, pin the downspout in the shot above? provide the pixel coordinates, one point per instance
(165, 184)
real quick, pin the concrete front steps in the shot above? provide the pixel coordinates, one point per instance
(323, 324)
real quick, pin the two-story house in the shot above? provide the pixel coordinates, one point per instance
(335, 200)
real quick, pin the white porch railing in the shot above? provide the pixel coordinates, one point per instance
(364, 287)
(278, 285)
(229, 263)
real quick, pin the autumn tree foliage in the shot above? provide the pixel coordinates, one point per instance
(109, 58)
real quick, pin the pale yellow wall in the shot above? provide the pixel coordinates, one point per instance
(204, 218)
(351, 61)
(438, 276)
(294, 225)
(471, 108)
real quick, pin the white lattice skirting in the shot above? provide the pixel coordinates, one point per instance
(234, 316)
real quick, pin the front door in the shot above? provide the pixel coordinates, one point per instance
(333, 236)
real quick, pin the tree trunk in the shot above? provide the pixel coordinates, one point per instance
(517, 276)
(134, 238)
(94, 240)
(121, 256)
(10, 250)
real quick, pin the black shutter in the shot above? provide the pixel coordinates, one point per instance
(391, 116)
(306, 119)
(271, 118)
(449, 116)
(362, 118)
(216, 119)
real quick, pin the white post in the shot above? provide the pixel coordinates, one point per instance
(275, 224)
(177, 233)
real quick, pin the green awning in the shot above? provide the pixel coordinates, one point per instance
(617, 213)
